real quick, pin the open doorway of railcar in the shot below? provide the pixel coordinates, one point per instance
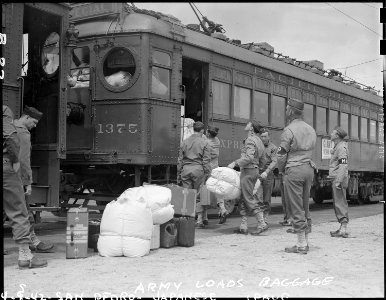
(194, 79)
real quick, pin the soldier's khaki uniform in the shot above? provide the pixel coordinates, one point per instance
(251, 157)
(13, 193)
(339, 172)
(270, 161)
(194, 162)
(298, 140)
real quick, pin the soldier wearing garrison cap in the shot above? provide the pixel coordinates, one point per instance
(338, 171)
(297, 143)
(28, 120)
(194, 163)
(252, 155)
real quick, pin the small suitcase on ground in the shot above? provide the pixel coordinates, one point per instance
(77, 233)
(168, 234)
(94, 227)
(184, 200)
(186, 231)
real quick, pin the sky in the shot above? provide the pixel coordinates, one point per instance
(305, 31)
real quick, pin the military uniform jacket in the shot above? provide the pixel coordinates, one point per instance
(338, 162)
(296, 145)
(11, 146)
(214, 151)
(251, 153)
(270, 159)
(25, 153)
(195, 150)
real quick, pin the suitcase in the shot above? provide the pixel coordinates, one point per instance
(184, 200)
(168, 234)
(185, 231)
(93, 233)
(77, 233)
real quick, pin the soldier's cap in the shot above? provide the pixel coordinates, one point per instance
(296, 103)
(340, 131)
(197, 126)
(213, 130)
(32, 112)
(256, 126)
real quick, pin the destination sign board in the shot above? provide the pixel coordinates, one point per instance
(93, 10)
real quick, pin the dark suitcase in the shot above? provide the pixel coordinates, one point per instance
(184, 200)
(93, 233)
(168, 234)
(185, 231)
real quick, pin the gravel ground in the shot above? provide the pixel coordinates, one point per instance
(221, 266)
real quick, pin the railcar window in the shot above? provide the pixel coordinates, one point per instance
(278, 111)
(80, 68)
(24, 59)
(260, 107)
(160, 82)
(354, 127)
(333, 120)
(161, 58)
(321, 120)
(119, 67)
(380, 133)
(50, 54)
(242, 103)
(373, 131)
(221, 98)
(309, 114)
(364, 126)
(344, 122)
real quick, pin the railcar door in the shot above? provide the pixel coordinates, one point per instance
(35, 55)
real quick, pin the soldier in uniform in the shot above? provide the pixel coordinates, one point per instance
(194, 164)
(338, 171)
(27, 121)
(251, 157)
(13, 194)
(270, 160)
(295, 159)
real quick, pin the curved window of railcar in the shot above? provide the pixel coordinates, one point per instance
(278, 111)
(260, 107)
(344, 122)
(50, 54)
(364, 126)
(354, 127)
(242, 103)
(373, 131)
(309, 114)
(321, 120)
(221, 98)
(80, 68)
(333, 120)
(119, 67)
(160, 79)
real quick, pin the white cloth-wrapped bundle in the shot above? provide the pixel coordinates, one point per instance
(126, 229)
(186, 128)
(224, 182)
(157, 198)
(118, 79)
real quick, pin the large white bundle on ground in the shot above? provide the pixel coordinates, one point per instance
(126, 229)
(186, 128)
(157, 198)
(224, 182)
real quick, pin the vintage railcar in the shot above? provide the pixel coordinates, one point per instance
(36, 39)
(131, 87)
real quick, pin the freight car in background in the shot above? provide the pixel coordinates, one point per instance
(130, 83)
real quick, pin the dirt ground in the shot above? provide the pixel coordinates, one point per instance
(221, 266)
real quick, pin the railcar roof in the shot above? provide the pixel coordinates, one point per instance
(169, 27)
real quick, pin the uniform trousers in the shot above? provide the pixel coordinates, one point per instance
(192, 176)
(340, 201)
(31, 218)
(297, 185)
(14, 204)
(267, 193)
(250, 203)
(283, 199)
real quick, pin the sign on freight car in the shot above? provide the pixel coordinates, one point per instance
(327, 146)
(93, 10)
